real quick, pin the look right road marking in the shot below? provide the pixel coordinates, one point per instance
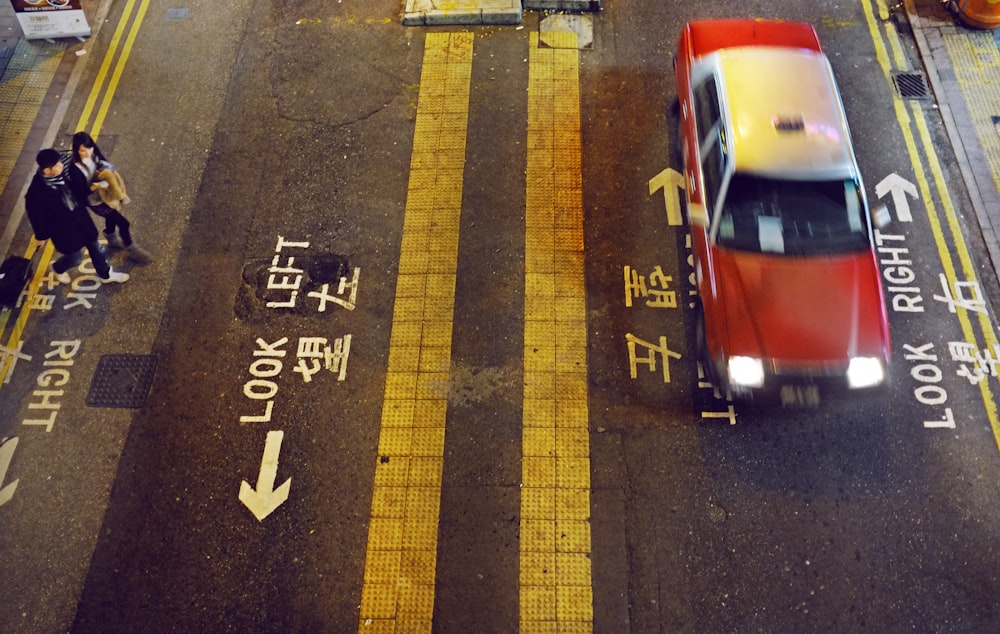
(944, 243)
(556, 593)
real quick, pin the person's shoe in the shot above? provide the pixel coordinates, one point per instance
(114, 242)
(137, 254)
(115, 276)
(62, 278)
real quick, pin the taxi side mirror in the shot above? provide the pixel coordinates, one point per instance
(881, 216)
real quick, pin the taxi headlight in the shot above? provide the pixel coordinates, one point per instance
(865, 372)
(746, 372)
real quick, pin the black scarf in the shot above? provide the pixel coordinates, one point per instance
(59, 183)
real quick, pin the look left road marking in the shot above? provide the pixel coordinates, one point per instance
(401, 558)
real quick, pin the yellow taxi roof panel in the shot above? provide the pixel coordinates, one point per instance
(785, 113)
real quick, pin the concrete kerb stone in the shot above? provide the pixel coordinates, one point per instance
(500, 12)
(563, 5)
(445, 12)
(501, 16)
(958, 126)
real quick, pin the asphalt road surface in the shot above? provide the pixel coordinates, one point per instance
(270, 154)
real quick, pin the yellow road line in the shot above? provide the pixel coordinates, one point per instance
(400, 562)
(954, 226)
(556, 592)
(968, 269)
(109, 56)
(898, 56)
(102, 112)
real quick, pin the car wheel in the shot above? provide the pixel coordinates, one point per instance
(701, 345)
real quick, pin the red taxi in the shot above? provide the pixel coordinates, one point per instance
(785, 264)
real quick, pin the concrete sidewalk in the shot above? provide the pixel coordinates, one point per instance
(34, 90)
(963, 68)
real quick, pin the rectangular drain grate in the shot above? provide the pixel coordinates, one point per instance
(122, 380)
(910, 85)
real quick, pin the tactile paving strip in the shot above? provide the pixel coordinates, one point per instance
(555, 575)
(400, 564)
(976, 59)
(122, 380)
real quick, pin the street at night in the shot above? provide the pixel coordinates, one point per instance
(418, 345)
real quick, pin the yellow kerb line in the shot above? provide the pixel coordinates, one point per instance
(105, 65)
(400, 562)
(102, 112)
(944, 253)
(556, 592)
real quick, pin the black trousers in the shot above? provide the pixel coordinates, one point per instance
(113, 220)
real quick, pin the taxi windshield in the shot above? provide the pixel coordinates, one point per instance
(792, 217)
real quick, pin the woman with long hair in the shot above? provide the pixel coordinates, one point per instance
(96, 183)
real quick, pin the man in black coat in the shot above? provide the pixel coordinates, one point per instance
(55, 215)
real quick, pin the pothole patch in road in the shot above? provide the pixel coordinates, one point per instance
(283, 285)
(582, 25)
(122, 380)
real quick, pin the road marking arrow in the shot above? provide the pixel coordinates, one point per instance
(263, 500)
(899, 187)
(671, 182)
(6, 454)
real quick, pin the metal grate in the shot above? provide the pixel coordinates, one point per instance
(911, 85)
(122, 380)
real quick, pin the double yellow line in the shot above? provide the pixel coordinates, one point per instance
(132, 26)
(128, 26)
(947, 232)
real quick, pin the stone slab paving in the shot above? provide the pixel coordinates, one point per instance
(963, 66)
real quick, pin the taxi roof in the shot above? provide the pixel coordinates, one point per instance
(785, 114)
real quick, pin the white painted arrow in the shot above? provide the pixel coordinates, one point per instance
(6, 454)
(263, 500)
(671, 182)
(899, 187)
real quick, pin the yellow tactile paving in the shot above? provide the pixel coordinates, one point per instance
(398, 589)
(23, 86)
(555, 583)
(976, 60)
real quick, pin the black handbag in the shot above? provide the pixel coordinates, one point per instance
(14, 274)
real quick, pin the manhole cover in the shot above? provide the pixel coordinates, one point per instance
(177, 14)
(121, 380)
(911, 85)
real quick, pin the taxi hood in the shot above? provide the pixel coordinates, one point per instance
(816, 309)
